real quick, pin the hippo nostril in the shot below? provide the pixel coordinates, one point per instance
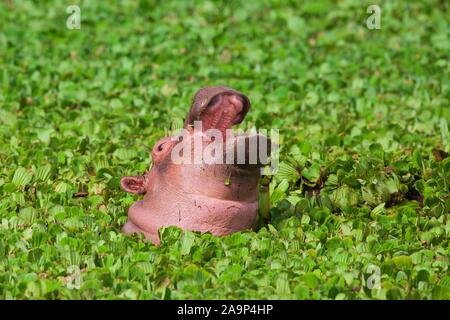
(160, 147)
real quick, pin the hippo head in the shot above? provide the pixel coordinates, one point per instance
(204, 178)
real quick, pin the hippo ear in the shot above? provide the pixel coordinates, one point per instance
(133, 184)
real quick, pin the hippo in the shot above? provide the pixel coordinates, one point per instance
(220, 195)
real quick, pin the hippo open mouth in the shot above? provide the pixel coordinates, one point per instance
(213, 113)
(218, 108)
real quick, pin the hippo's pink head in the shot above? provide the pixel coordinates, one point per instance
(211, 190)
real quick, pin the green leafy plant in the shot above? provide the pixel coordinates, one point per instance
(362, 193)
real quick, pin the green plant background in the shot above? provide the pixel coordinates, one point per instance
(363, 117)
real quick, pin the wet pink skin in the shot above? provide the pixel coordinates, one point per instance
(217, 198)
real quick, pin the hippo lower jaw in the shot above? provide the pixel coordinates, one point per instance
(130, 228)
(222, 218)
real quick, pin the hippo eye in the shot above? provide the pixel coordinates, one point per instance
(161, 146)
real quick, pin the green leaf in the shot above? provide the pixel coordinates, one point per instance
(21, 177)
(378, 210)
(312, 173)
(43, 173)
(402, 262)
(287, 172)
(418, 160)
(28, 215)
(187, 240)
